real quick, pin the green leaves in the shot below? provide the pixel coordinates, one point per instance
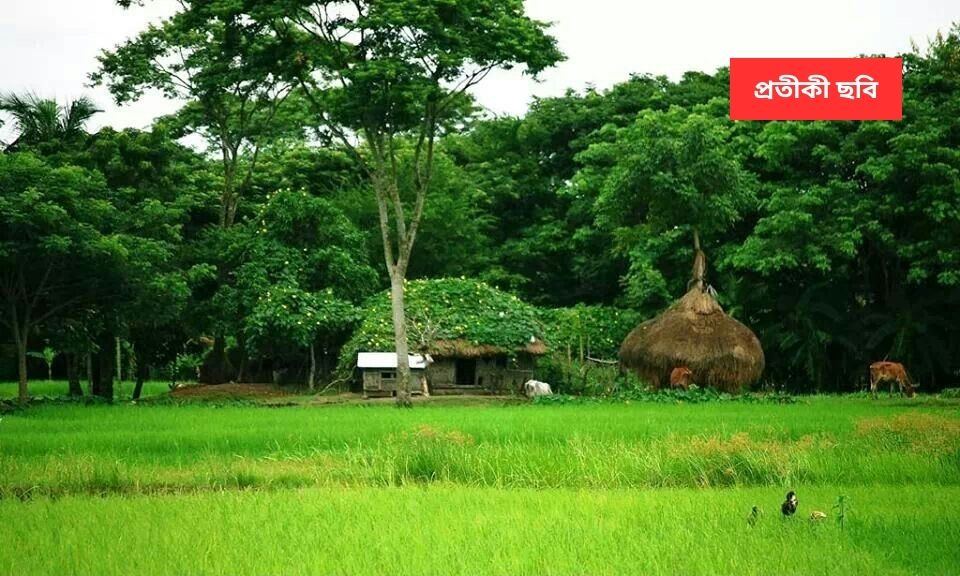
(674, 168)
(301, 271)
(596, 330)
(447, 309)
(45, 124)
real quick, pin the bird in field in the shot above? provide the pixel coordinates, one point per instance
(754, 516)
(789, 505)
(817, 516)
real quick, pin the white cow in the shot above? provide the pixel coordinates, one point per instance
(534, 388)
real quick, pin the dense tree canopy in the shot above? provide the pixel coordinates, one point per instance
(838, 243)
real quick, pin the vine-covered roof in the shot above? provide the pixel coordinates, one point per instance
(450, 317)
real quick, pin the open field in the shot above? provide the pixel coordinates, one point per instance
(466, 530)
(506, 489)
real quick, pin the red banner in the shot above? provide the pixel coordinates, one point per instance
(816, 89)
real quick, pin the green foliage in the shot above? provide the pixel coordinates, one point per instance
(46, 125)
(666, 174)
(411, 52)
(597, 331)
(48, 355)
(56, 224)
(183, 368)
(287, 314)
(447, 309)
(302, 270)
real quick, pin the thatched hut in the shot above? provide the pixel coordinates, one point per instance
(476, 339)
(696, 333)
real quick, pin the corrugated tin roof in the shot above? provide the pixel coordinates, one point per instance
(388, 360)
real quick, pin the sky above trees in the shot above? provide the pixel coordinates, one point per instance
(50, 46)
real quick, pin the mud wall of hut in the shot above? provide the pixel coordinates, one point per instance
(492, 374)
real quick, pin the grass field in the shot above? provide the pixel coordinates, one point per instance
(55, 388)
(637, 488)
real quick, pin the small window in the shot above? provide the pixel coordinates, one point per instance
(388, 375)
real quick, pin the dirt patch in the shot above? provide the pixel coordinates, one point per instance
(202, 391)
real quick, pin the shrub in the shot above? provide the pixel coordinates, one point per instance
(597, 331)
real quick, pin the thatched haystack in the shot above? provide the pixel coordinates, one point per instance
(696, 333)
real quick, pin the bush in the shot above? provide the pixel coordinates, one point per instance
(596, 330)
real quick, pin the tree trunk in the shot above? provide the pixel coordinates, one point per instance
(400, 340)
(90, 371)
(142, 371)
(214, 369)
(73, 375)
(243, 367)
(119, 372)
(22, 393)
(311, 379)
(103, 370)
(241, 370)
(699, 273)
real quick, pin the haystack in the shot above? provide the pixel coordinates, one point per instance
(696, 333)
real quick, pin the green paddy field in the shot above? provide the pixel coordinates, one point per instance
(489, 488)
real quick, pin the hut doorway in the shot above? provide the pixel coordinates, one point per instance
(466, 372)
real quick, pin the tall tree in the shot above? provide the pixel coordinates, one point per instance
(210, 56)
(304, 272)
(395, 71)
(220, 62)
(54, 233)
(668, 175)
(155, 183)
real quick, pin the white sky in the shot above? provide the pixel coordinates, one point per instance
(49, 46)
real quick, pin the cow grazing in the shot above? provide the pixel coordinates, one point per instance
(681, 377)
(892, 372)
(534, 388)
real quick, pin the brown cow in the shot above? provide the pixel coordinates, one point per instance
(681, 377)
(890, 372)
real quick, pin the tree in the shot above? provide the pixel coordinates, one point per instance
(543, 239)
(398, 71)
(669, 174)
(44, 123)
(211, 55)
(155, 184)
(54, 225)
(304, 271)
(864, 214)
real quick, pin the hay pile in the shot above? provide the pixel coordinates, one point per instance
(696, 333)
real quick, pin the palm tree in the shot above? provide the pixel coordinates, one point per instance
(42, 121)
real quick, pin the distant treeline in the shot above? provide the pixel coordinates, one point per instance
(838, 243)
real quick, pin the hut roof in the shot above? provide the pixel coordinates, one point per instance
(459, 348)
(696, 333)
(388, 360)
